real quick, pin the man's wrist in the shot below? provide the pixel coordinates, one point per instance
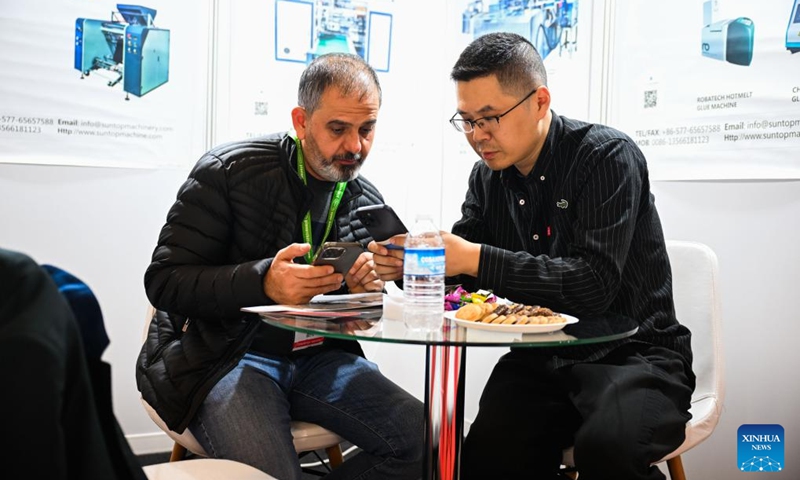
(474, 257)
(468, 259)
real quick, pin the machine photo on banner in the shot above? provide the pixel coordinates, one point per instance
(710, 90)
(550, 26)
(306, 29)
(119, 46)
(104, 84)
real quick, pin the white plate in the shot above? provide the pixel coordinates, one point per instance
(537, 328)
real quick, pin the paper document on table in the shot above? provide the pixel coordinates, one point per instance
(325, 303)
(367, 299)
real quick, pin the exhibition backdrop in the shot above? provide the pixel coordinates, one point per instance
(64, 98)
(708, 89)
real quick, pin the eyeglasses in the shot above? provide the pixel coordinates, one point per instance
(487, 124)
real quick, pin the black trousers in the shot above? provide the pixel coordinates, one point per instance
(620, 413)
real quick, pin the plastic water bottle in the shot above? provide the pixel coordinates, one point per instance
(423, 276)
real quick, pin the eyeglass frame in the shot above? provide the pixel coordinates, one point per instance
(474, 123)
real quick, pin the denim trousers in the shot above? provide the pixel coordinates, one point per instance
(246, 416)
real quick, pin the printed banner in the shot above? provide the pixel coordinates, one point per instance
(97, 83)
(709, 89)
(271, 42)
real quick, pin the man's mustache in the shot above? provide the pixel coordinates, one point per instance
(349, 157)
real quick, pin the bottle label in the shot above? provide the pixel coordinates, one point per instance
(424, 261)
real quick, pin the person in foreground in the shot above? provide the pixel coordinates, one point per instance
(59, 422)
(559, 213)
(240, 234)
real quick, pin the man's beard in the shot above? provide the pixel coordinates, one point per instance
(329, 168)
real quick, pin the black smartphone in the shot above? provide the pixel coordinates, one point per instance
(381, 222)
(342, 255)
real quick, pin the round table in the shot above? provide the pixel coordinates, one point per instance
(445, 362)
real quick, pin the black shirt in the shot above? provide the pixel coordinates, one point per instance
(321, 197)
(579, 234)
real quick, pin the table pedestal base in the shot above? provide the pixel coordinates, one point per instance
(445, 367)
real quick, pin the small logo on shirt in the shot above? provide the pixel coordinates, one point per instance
(760, 448)
(562, 204)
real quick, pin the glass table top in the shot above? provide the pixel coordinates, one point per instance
(371, 325)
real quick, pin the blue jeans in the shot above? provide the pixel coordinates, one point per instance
(246, 415)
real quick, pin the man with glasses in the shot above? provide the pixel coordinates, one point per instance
(559, 213)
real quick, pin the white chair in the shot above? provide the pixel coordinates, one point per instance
(695, 287)
(307, 436)
(205, 469)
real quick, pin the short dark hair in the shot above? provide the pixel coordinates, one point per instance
(347, 72)
(510, 57)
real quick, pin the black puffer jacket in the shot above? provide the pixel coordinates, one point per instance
(242, 203)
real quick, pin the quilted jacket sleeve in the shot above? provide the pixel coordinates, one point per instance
(190, 273)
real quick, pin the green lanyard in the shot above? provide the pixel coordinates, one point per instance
(338, 193)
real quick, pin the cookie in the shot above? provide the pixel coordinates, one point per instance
(470, 311)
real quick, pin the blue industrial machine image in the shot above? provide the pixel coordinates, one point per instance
(729, 40)
(549, 25)
(341, 26)
(306, 29)
(131, 47)
(793, 30)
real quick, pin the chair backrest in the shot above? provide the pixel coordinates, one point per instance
(695, 290)
(695, 286)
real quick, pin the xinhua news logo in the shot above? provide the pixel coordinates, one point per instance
(760, 448)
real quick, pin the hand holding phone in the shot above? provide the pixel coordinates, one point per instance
(342, 255)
